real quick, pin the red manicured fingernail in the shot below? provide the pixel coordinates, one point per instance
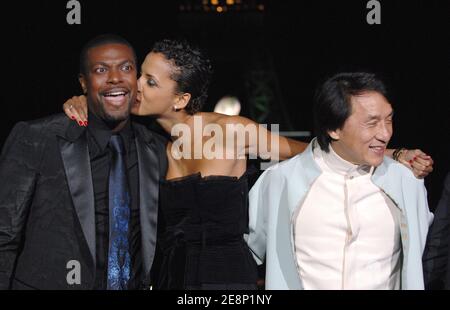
(85, 123)
(410, 161)
(80, 123)
(73, 117)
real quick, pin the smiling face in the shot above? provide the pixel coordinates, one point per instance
(157, 90)
(366, 132)
(110, 82)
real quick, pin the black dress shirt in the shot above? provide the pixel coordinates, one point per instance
(98, 136)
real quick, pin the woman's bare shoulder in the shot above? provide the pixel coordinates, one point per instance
(223, 120)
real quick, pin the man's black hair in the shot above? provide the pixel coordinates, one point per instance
(99, 41)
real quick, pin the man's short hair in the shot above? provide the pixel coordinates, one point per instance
(332, 101)
(99, 41)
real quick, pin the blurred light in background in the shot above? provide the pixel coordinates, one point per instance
(228, 105)
(221, 6)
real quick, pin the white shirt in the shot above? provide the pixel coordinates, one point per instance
(346, 230)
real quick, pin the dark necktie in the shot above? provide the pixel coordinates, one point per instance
(119, 262)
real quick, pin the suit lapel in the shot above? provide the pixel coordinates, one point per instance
(75, 156)
(149, 176)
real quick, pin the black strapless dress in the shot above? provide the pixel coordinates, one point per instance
(202, 242)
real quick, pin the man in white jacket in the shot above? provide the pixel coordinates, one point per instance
(341, 215)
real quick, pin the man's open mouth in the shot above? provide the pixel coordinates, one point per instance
(116, 97)
(378, 149)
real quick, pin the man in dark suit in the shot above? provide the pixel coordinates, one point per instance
(78, 204)
(436, 258)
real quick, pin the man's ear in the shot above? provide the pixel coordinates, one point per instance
(335, 134)
(83, 83)
(182, 100)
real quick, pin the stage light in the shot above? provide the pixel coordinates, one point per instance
(228, 105)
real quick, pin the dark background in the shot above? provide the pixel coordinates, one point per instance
(271, 53)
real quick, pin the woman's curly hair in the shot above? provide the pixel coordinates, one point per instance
(192, 71)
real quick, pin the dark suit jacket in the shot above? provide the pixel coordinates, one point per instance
(436, 258)
(47, 203)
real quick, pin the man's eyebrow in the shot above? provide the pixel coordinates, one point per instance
(372, 117)
(128, 61)
(107, 65)
(377, 117)
(390, 114)
(100, 63)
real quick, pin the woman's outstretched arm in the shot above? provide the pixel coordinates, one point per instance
(274, 145)
(268, 144)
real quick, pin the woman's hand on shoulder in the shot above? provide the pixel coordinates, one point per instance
(76, 109)
(420, 163)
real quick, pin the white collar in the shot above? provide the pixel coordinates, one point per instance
(343, 167)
